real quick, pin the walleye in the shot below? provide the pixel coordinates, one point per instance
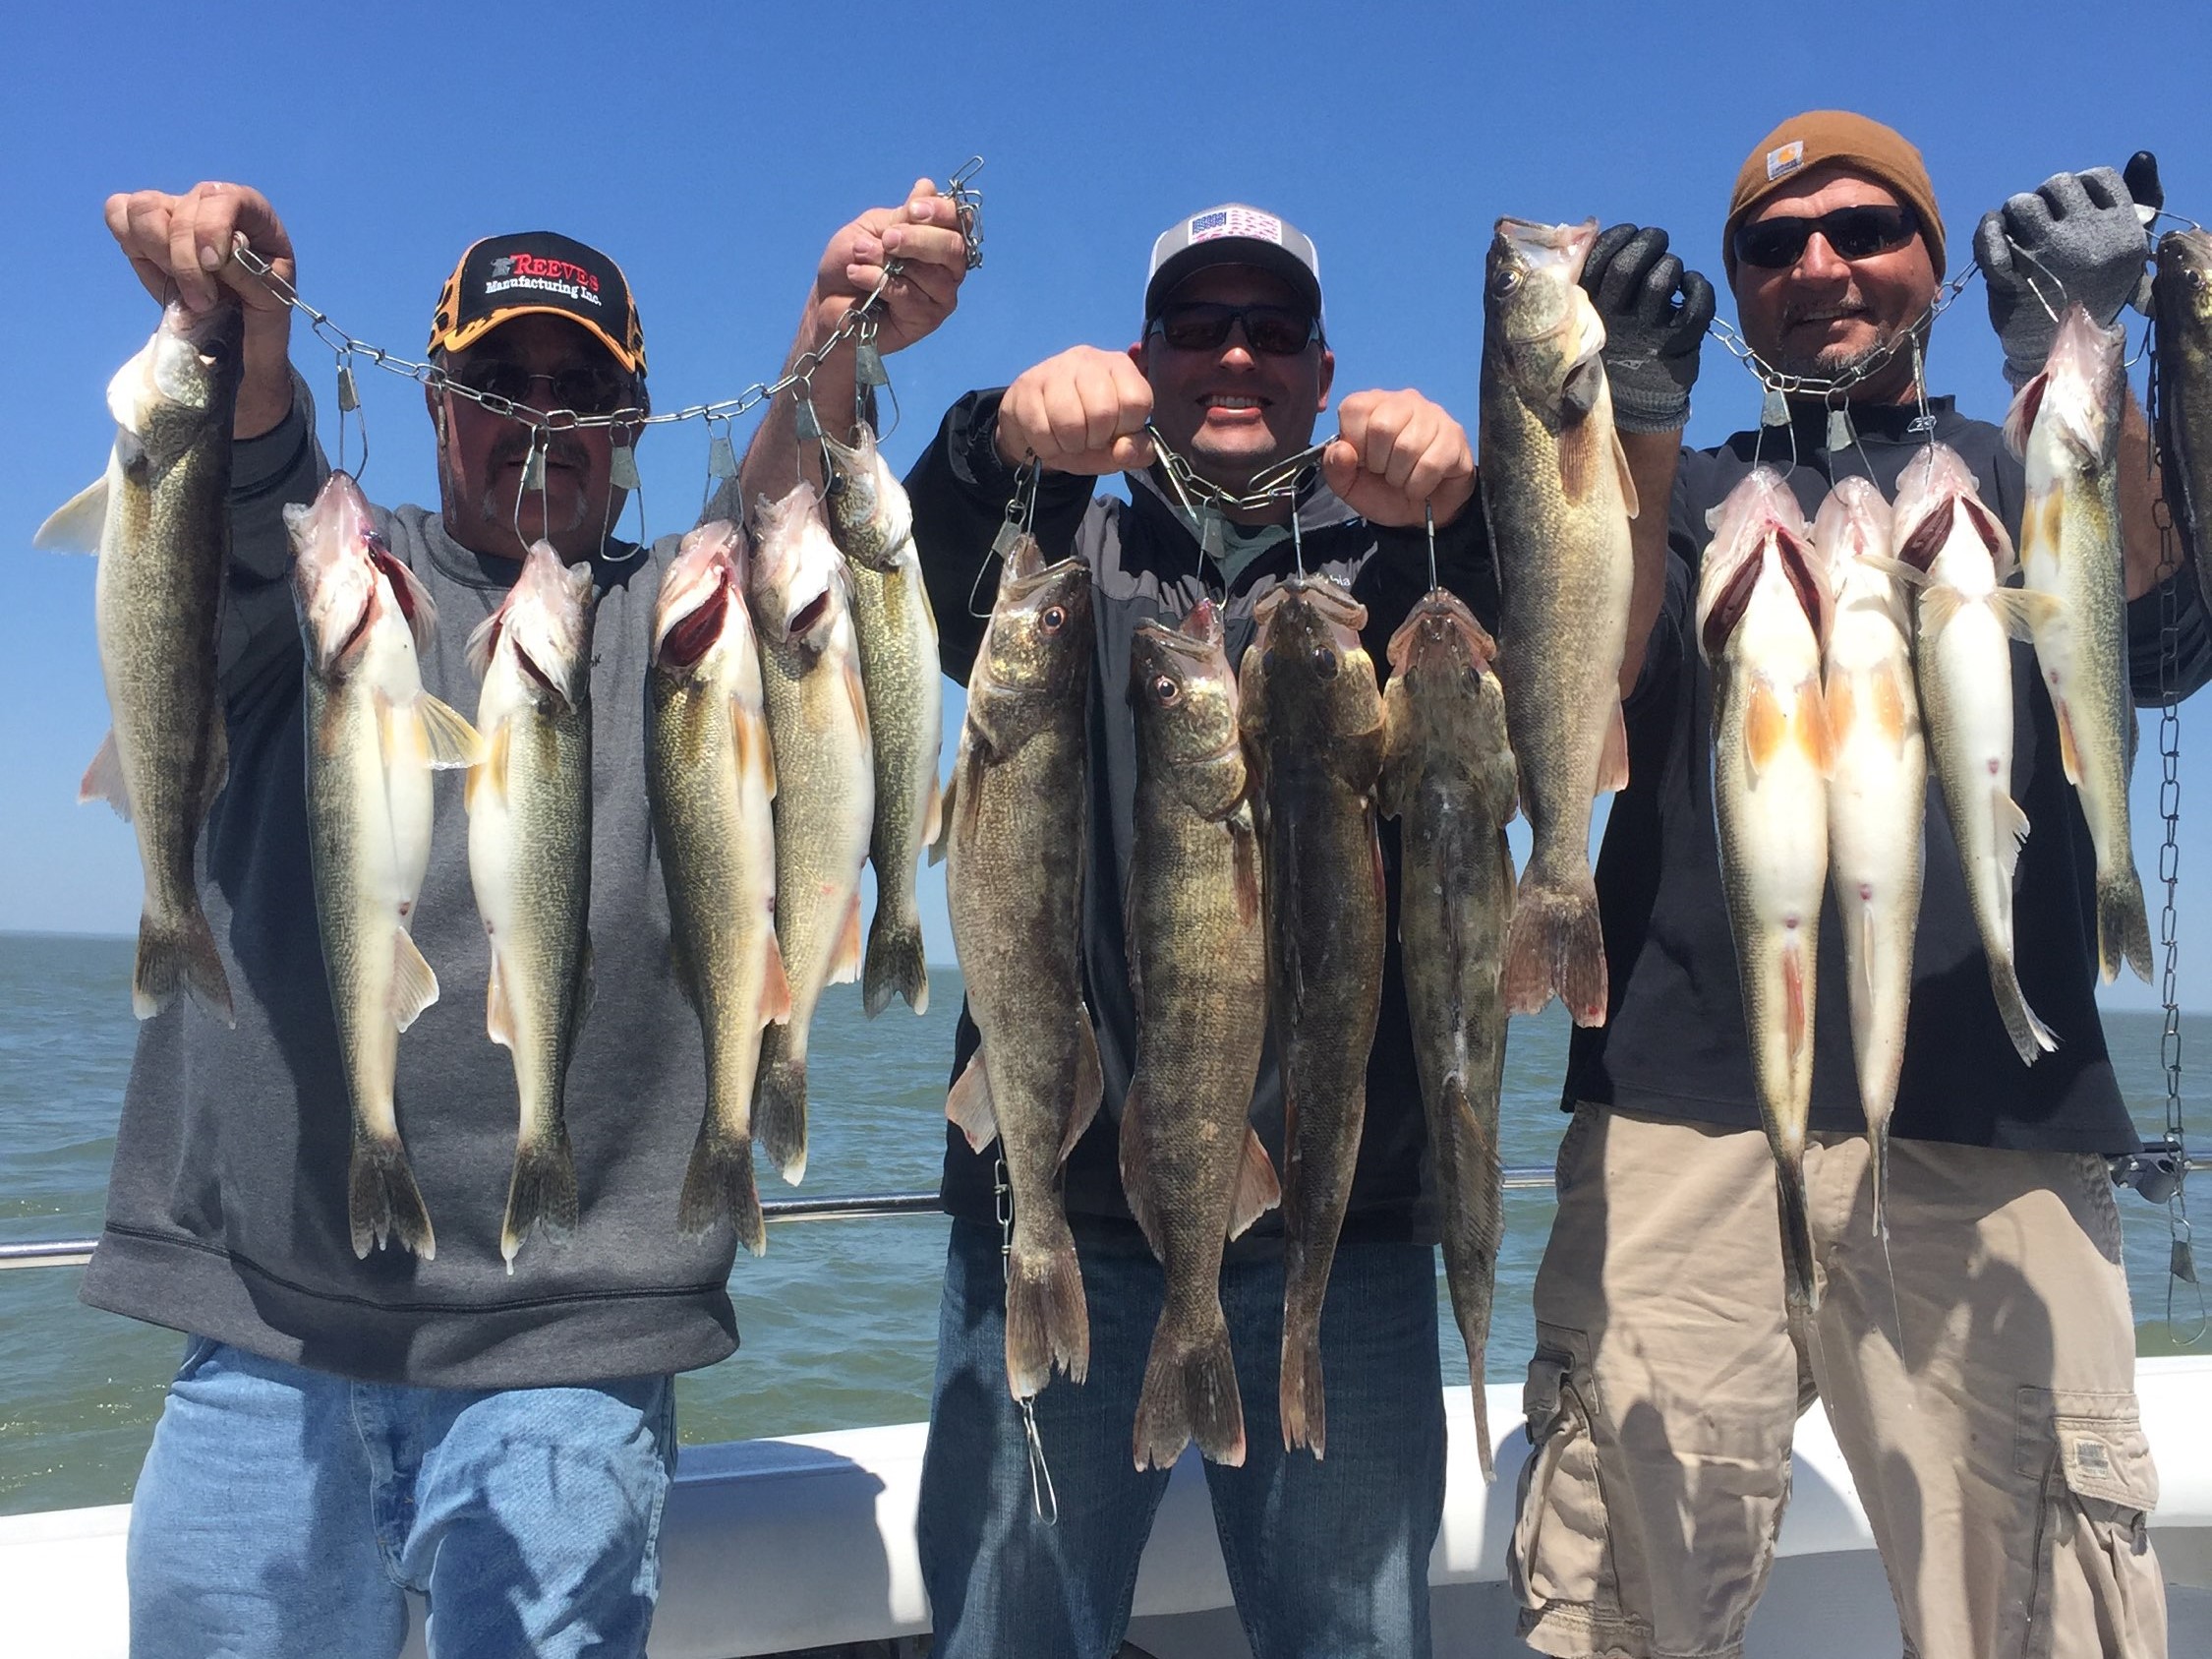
(1963, 659)
(1312, 719)
(1877, 794)
(1013, 881)
(530, 862)
(2181, 300)
(374, 735)
(1448, 778)
(159, 519)
(870, 522)
(709, 781)
(1558, 498)
(1195, 1172)
(1762, 616)
(2064, 426)
(825, 791)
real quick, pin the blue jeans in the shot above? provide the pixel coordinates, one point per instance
(1326, 1558)
(285, 1511)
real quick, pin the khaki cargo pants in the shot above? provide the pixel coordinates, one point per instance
(1998, 1448)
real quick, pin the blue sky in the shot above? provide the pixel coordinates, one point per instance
(713, 149)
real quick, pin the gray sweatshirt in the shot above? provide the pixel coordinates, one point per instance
(226, 1211)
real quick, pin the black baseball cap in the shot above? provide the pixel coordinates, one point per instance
(1233, 234)
(538, 270)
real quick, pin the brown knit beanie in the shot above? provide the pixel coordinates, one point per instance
(1805, 141)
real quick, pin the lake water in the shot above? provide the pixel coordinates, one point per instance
(839, 1319)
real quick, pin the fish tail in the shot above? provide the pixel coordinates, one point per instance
(1555, 946)
(541, 1193)
(382, 1201)
(178, 952)
(1303, 1411)
(2030, 1036)
(718, 1184)
(894, 965)
(2122, 924)
(1047, 1319)
(1190, 1393)
(780, 1113)
(1799, 1293)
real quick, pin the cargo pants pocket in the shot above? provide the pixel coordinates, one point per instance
(1561, 1551)
(2094, 1585)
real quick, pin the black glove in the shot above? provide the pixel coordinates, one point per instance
(1655, 314)
(2074, 238)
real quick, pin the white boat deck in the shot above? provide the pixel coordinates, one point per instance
(776, 1546)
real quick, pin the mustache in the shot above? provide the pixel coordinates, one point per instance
(561, 449)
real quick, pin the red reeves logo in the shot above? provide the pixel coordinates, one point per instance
(533, 264)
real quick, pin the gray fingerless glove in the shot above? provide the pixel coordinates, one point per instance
(1656, 313)
(2076, 238)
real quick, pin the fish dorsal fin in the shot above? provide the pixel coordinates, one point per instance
(77, 525)
(498, 1017)
(103, 779)
(845, 964)
(1612, 760)
(1090, 1083)
(414, 987)
(1135, 1161)
(1257, 1190)
(947, 805)
(1629, 498)
(776, 987)
(2011, 832)
(933, 814)
(969, 1106)
(452, 741)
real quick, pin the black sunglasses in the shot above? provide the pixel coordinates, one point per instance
(1277, 330)
(589, 390)
(1855, 233)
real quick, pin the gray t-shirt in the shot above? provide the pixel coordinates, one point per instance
(227, 1201)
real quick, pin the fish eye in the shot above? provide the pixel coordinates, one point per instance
(1325, 662)
(1504, 280)
(1165, 690)
(1052, 619)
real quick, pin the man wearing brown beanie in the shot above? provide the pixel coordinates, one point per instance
(1978, 1363)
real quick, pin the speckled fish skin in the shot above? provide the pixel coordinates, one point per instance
(373, 736)
(159, 519)
(2064, 426)
(1877, 794)
(1312, 719)
(824, 790)
(530, 864)
(710, 782)
(2181, 301)
(1557, 492)
(1761, 618)
(1962, 659)
(873, 527)
(1448, 778)
(1014, 880)
(1193, 1171)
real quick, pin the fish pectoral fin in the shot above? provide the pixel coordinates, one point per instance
(76, 526)
(2069, 754)
(499, 1018)
(1612, 760)
(968, 1106)
(1581, 457)
(844, 965)
(1628, 495)
(2019, 417)
(452, 741)
(1765, 726)
(103, 779)
(2023, 610)
(1090, 1083)
(1940, 602)
(414, 987)
(1257, 1190)
(775, 989)
(1896, 569)
(1136, 1163)
(487, 780)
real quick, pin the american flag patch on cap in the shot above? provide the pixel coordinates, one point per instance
(1237, 221)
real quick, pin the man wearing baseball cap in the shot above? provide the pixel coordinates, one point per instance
(1978, 1362)
(1232, 367)
(345, 1429)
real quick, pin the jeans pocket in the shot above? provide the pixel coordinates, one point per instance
(1561, 1551)
(2092, 1581)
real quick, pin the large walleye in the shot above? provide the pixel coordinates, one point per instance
(1312, 719)
(873, 527)
(2064, 426)
(710, 779)
(1558, 498)
(824, 790)
(1014, 879)
(1448, 778)
(1195, 1172)
(1762, 615)
(1962, 656)
(373, 736)
(530, 862)
(2181, 300)
(159, 519)
(1877, 794)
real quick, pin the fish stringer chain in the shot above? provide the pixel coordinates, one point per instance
(1782, 386)
(1043, 1499)
(1020, 515)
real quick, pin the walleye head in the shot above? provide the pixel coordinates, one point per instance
(1852, 525)
(1038, 648)
(1311, 654)
(2077, 399)
(1185, 699)
(702, 596)
(182, 381)
(1534, 314)
(865, 503)
(1441, 645)
(1758, 530)
(546, 622)
(798, 575)
(347, 580)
